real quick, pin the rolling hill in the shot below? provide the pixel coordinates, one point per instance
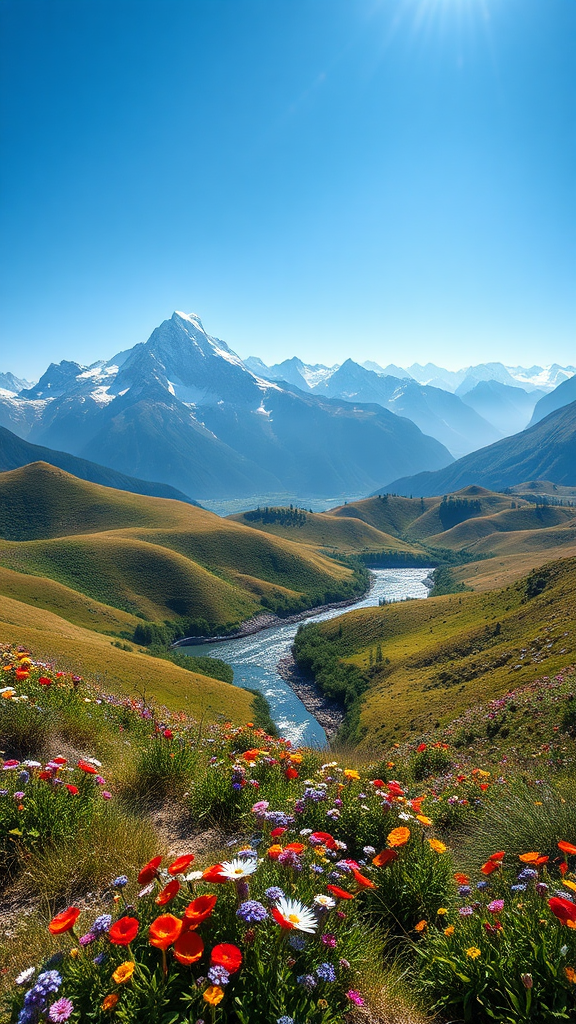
(348, 535)
(544, 451)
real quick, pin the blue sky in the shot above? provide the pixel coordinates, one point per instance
(386, 179)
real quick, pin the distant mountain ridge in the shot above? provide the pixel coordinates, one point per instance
(544, 451)
(183, 409)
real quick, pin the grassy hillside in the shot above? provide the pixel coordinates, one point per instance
(95, 658)
(421, 662)
(323, 531)
(152, 558)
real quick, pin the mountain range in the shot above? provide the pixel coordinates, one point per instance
(183, 409)
(544, 451)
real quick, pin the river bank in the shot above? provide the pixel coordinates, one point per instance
(268, 619)
(328, 713)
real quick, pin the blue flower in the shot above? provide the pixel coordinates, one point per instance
(101, 924)
(218, 975)
(274, 894)
(251, 911)
(285, 1020)
(308, 981)
(120, 882)
(326, 972)
(517, 888)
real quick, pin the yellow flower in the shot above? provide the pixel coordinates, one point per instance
(449, 930)
(473, 952)
(214, 995)
(124, 972)
(441, 911)
(437, 846)
(569, 884)
(570, 974)
(322, 1004)
(110, 1001)
(390, 764)
(352, 774)
(420, 926)
(74, 952)
(423, 819)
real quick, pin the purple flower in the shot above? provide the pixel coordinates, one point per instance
(99, 959)
(273, 894)
(464, 890)
(19, 795)
(326, 972)
(355, 997)
(252, 912)
(290, 859)
(297, 942)
(541, 888)
(329, 940)
(308, 981)
(218, 975)
(106, 795)
(344, 964)
(85, 940)
(517, 888)
(101, 924)
(61, 1009)
(465, 911)
(23, 778)
(527, 875)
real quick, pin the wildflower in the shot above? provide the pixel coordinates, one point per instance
(567, 847)
(252, 912)
(541, 888)
(307, 981)
(164, 931)
(441, 911)
(495, 906)
(110, 1001)
(449, 930)
(64, 922)
(570, 974)
(124, 972)
(325, 902)
(518, 888)
(61, 1010)
(99, 959)
(85, 940)
(84, 766)
(322, 838)
(355, 997)
(214, 874)
(529, 858)
(437, 846)
(466, 911)
(25, 976)
(563, 909)
(228, 956)
(150, 871)
(285, 1020)
(424, 820)
(120, 882)
(218, 975)
(101, 924)
(384, 858)
(420, 926)
(290, 914)
(214, 995)
(273, 894)
(297, 942)
(399, 836)
(329, 940)
(527, 980)
(124, 931)
(340, 894)
(326, 972)
(168, 893)
(188, 947)
(473, 952)
(199, 909)
(368, 851)
(180, 864)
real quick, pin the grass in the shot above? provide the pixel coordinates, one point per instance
(426, 661)
(344, 534)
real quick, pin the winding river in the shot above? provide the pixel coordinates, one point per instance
(254, 658)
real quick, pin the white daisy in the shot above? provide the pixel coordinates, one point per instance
(238, 868)
(25, 976)
(300, 917)
(193, 876)
(324, 901)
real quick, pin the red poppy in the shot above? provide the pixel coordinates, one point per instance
(213, 874)
(64, 922)
(251, 755)
(150, 871)
(88, 768)
(227, 956)
(461, 878)
(378, 783)
(564, 910)
(421, 748)
(291, 773)
(563, 867)
(384, 858)
(325, 838)
(278, 832)
(45, 774)
(44, 681)
(180, 864)
(541, 860)
(363, 882)
(59, 760)
(164, 931)
(297, 848)
(72, 789)
(340, 894)
(188, 948)
(489, 867)
(567, 847)
(497, 856)
(280, 919)
(168, 734)
(199, 910)
(124, 931)
(168, 893)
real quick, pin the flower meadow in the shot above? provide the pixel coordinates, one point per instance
(324, 876)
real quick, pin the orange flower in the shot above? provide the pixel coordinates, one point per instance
(110, 1001)
(213, 874)
(228, 956)
(164, 931)
(291, 773)
(489, 867)
(529, 858)
(363, 882)
(251, 755)
(168, 893)
(461, 878)
(297, 848)
(437, 846)
(150, 871)
(567, 847)
(199, 910)
(384, 858)
(124, 931)
(399, 836)
(449, 930)
(180, 864)
(570, 974)
(214, 995)
(64, 922)
(124, 972)
(339, 893)
(420, 926)
(423, 819)
(188, 948)
(497, 856)
(274, 851)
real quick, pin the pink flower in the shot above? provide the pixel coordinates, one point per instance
(355, 997)
(106, 795)
(496, 906)
(329, 940)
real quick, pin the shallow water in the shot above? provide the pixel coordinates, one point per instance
(254, 658)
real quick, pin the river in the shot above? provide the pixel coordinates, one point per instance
(254, 658)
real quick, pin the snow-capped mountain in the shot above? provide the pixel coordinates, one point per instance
(12, 385)
(184, 409)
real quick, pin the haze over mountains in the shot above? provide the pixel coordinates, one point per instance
(184, 410)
